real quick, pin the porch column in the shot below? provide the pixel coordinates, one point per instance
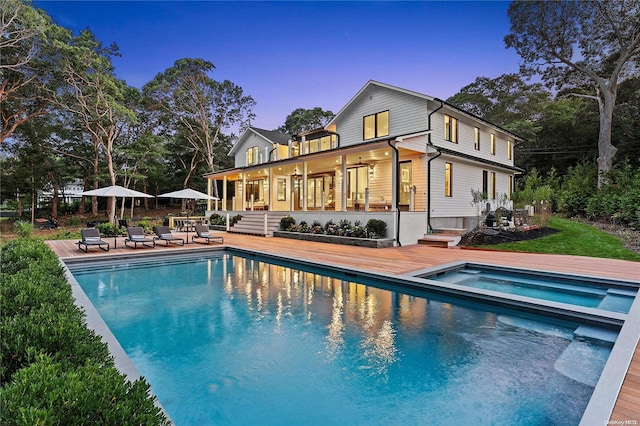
(224, 194)
(269, 186)
(304, 185)
(345, 190)
(395, 179)
(243, 188)
(209, 191)
(302, 146)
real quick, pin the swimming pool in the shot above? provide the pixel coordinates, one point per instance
(235, 340)
(609, 295)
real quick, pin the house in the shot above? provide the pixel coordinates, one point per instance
(407, 158)
(70, 193)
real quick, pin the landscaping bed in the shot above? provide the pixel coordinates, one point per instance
(335, 239)
(496, 236)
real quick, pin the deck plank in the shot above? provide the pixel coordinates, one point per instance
(399, 260)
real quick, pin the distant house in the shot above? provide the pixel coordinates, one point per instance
(390, 153)
(70, 193)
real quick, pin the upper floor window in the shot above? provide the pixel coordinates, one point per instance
(252, 155)
(493, 144)
(476, 138)
(450, 129)
(448, 179)
(509, 150)
(376, 125)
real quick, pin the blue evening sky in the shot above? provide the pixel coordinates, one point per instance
(304, 54)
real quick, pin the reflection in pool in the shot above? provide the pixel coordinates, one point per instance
(225, 339)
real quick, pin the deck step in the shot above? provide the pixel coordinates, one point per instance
(445, 241)
(252, 223)
(449, 231)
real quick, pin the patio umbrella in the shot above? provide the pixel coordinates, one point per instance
(188, 194)
(115, 191)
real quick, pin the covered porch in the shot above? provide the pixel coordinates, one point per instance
(372, 177)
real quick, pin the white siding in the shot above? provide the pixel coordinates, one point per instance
(250, 141)
(466, 138)
(407, 114)
(466, 176)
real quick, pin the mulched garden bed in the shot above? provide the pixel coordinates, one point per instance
(495, 236)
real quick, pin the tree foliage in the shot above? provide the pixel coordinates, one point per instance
(27, 63)
(303, 120)
(197, 110)
(94, 95)
(573, 43)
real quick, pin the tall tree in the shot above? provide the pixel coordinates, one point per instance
(95, 96)
(197, 109)
(303, 120)
(569, 43)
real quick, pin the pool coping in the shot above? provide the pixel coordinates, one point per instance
(605, 394)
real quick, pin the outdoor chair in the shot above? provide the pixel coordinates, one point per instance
(164, 234)
(135, 235)
(202, 233)
(91, 237)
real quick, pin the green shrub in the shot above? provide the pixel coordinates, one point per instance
(23, 228)
(357, 230)
(316, 227)
(146, 225)
(56, 330)
(376, 228)
(235, 219)
(75, 221)
(31, 288)
(216, 219)
(286, 222)
(344, 228)
(45, 393)
(20, 253)
(107, 229)
(578, 185)
(330, 228)
(54, 369)
(303, 227)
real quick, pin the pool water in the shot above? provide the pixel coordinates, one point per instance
(225, 339)
(580, 293)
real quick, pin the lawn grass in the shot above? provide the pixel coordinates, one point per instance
(574, 238)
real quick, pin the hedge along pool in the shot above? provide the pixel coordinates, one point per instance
(231, 339)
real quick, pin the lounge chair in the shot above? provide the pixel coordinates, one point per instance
(135, 235)
(91, 237)
(164, 234)
(202, 233)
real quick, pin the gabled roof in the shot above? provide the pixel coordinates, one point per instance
(386, 86)
(418, 95)
(271, 136)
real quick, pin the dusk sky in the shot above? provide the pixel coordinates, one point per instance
(289, 55)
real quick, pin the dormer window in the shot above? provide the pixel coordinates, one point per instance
(376, 125)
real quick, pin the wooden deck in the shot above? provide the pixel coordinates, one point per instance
(412, 258)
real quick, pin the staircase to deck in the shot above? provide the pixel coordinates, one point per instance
(444, 237)
(253, 223)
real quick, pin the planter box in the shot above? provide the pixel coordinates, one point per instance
(334, 239)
